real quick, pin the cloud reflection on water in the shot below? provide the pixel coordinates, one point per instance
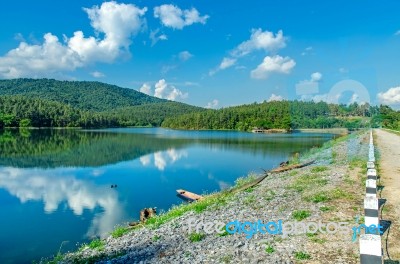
(163, 158)
(54, 188)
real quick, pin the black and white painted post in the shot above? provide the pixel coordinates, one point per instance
(370, 243)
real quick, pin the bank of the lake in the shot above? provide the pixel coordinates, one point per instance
(327, 191)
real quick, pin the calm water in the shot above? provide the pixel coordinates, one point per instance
(55, 184)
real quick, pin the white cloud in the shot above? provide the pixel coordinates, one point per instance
(155, 38)
(146, 89)
(213, 104)
(307, 51)
(174, 17)
(275, 97)
(97, 74)
(310, 86)
(225, 63)
(316, 77)
(167, 91)
(390, 97)
(185, 55)
(274, 64)
(117, 22)
(260, 40)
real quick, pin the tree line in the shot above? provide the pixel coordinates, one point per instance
(283, 115)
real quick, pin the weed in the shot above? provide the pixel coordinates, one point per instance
(269, 249)
(326, 208)
(318, 169)
(196, 237)
(156, 237)
(300, 255)
(97, 244)
(301, 214)
(120, 231)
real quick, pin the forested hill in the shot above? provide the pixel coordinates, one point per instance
(286, 115)
(83, 95)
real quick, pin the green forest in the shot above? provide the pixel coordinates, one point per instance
(285, 115)
(51, 103)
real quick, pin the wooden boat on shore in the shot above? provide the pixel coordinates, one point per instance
(189, 196)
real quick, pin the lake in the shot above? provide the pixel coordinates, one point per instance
(55, 185)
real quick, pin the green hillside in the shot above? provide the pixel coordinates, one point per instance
(84, 95)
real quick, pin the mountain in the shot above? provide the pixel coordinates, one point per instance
(83, 95)
(52, 103)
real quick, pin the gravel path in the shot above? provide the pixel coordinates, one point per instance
(389, 149)
(279, 197)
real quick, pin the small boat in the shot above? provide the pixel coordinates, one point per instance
(189, 196)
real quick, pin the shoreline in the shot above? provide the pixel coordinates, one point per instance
(286, 192)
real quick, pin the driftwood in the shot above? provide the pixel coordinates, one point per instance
(267, 173)
(145, 214)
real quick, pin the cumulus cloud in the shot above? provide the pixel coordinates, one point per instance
(167, 91)
(185, 55)
(146, 89)
(260, 40)
(154, 37)
(390, 97)
(275, 97)
(213, 104)
(163, 90)
(310, 86)
(274, 64)
(116, 22)
(316, 77)
(97, 74)
(176, 18)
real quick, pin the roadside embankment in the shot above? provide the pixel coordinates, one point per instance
(330, 190)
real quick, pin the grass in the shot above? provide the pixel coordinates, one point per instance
(300, 255)
(156, 238)
(301, 214)
(196, 237)
(307, 182)
(326, 208)
(269, 195)
(314, 238)
(120, 231)
(97, 244)
(250, 200)
(269, 249)
(249, 190)
(338, 193)
(245, 180)
(225, 233)
(318, 198)
(226, 259)
(317, 169)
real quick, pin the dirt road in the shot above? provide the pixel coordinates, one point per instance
(388, 145)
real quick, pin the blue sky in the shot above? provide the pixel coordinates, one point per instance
(211, 53)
